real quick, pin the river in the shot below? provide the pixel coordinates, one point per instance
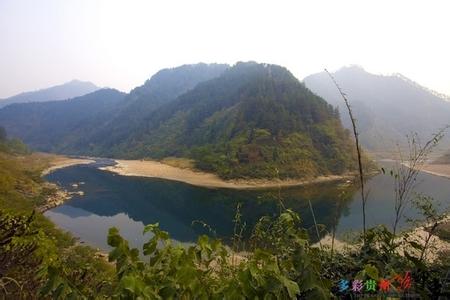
(129, 203)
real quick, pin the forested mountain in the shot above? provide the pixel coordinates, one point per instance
(105, 117)
(131, 114)
(74, 88)
(249, 120)
(253, 121)
(387, 108)
(49, 126)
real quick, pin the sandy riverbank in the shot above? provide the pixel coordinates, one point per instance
(59, 162)
(442, 170)
(159, 170)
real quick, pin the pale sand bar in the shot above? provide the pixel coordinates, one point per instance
(59, 162)
(159, 170)
(438, 170)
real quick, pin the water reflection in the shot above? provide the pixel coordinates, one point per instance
(130, 202)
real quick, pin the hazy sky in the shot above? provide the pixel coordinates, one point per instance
(122, 43)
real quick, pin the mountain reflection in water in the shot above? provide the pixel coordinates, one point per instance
(129, 203)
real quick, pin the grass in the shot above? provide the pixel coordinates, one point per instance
(22, 190)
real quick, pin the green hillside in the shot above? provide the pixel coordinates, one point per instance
(246, 121)
(131, 114)
(92, 123)
(51, 126)
(33, 251)
(255, 120)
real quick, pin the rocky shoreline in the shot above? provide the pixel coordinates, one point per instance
(60, 195)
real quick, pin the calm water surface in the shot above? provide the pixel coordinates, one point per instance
(129, 203)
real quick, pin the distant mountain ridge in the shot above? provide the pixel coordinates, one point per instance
(131, 115)
(71, 89)
(412, 82)
(387, 108)
(93, 123)
(49, 126)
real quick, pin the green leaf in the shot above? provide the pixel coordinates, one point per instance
(291, 286)
(151, 227)
(132, 284)
(371, 271)
(150, 247)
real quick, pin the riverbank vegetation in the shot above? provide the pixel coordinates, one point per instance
(32, 249)
(278, 261)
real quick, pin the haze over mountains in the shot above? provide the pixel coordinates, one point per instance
(50, 126)
(246, 120)
(99, 119)
(71, 89)
(387, 108)
(249, 120)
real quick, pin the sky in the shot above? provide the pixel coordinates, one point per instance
(120, 44)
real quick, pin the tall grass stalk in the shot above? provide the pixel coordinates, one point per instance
(358, 152)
